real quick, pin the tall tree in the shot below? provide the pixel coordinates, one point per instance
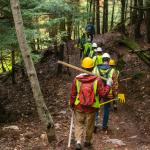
(112, 15)
(44, 115)
(97, 17)
(123, 16)
(105, 17)
(137, 28)
(148, 19)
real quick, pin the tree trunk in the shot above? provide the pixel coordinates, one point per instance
(43, 112)
(105, 17)
(13, 66)
(97, 17)
(93, 18)
(112, 15)
(123, 16)
(137, 28)
(148, 20)
(3, 68)
(60, 57)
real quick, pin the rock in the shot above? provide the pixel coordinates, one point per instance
(44, 138)
(116, 142)
(57, 126)
(13, 127)
(63, 112)
(133, 137)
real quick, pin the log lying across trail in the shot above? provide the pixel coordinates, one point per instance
(135, 48)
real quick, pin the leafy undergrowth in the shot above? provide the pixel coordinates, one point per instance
(130, 124)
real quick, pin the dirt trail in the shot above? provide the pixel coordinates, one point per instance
(126, 125)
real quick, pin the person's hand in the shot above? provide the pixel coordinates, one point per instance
(109, 82)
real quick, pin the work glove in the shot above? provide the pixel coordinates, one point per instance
(121, 98)
(109, 82)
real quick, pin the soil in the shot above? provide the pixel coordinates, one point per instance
(130, 124)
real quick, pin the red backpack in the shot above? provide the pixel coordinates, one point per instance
(86, 93)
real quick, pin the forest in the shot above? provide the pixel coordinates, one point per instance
(44, 45)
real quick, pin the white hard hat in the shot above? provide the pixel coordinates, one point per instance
(105, 55)
(99, 49)
(94, 45)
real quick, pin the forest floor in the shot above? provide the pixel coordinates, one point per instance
(130, 124)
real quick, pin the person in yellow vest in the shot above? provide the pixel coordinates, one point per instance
(113, 93)
(106, 71)
(87, 48)
(92, 52)
(98, 56)
(84, 100)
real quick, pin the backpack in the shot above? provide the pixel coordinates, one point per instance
(104, 73)
(86, 92)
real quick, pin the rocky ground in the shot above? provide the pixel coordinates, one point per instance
(129, 128)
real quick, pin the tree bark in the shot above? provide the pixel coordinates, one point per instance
(105, 17)
(137, 29)
(13, 66)
(97, 17)
(148, 20)
(93, 18)
(123, 16)
(112, 15)
(1, 59)
(43, 112)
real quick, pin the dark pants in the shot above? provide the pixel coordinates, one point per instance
(105, 115)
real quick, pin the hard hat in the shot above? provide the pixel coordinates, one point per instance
(99, 49)
(105, 55)
(112, 62)
(87, 62)
(94, 45)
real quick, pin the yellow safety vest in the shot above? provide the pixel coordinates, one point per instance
(96, 104)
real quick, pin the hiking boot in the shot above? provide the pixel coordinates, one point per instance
(78, 146)
(87, 144)
(105, 129)
(95, 129)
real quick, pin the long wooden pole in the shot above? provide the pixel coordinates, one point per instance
(78, 69)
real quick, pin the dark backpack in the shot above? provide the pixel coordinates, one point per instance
(86, 93)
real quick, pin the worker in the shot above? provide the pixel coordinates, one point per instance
(98, 56)
(81, 41)
(87, 48)
(115, 74)
(105, 71)
(90, 29)
(92, 52)
(84, 101)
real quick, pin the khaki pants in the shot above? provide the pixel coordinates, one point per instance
(84, 120)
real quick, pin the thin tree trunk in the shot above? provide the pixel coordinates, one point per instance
(3, 68)
(13, 66)
(105, 17)
(97, 17)
(93, 18)
(112, 15)
(148, 20)
(123, 16)
(43, 112)
(137, 28)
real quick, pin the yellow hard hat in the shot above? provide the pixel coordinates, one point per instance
(87, 62)
(112, 62)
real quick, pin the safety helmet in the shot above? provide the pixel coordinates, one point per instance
(87, 62)
(94, 45)
(99, 49)
(112, 62)
(106, 55)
